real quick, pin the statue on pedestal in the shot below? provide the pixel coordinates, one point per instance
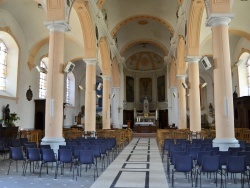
(145, 107)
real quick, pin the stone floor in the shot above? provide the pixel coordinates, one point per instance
(138, 165)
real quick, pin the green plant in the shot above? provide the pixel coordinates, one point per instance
(98, 118)
(11, 123)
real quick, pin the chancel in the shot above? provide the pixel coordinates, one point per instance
(145, 120)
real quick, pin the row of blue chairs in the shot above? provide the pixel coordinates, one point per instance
(198, 164)
(41, 157)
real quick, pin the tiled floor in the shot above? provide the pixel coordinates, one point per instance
(138, 165)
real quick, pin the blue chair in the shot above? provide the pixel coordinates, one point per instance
(242, 145)
(234, 151)
(16, 154)
(209, 164)
(223, 157)
(236, 164)
(33, 155)
(4, 149)
(172, 161)
(45, 146)
(86, 157)
(64, 147)
(166, 145)
(96, 149)
(65, 157)
(200, 156)
(183, 164)
(75, 151)
(23, 141)
(214, 150)
(247, 154)
(193, 152)
(47, 156)
(15, 143)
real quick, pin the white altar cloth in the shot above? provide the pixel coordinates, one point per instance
(145, 123)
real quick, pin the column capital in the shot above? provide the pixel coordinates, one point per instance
(92, 61)
(193, 59)
(216, 19)
(58, 25)
(106, 77)
(181, 76)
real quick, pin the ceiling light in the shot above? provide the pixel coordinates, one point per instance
(80, 87)
(203, 85)
(185, 86)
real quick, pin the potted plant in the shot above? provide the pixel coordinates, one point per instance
(11, 123)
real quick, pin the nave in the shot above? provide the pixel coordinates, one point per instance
(138, 165)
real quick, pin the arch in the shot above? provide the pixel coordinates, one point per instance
(161, 46)
(115, 73)
(154, 18)
(181, 54)
(100, 4)
(194, 25)
(105, 56)
(82, 10)
(240, 33)
(34, 50)
(12, 63)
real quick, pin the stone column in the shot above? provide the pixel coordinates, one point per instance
(106, 102)
(224, 115)
(90, 96)
(194, 94)
(173, 107)
(115, 107)
(182, 117)
(55, 85)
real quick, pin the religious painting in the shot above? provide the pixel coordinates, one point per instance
(145, 87)
(161, 88)
(129, 89)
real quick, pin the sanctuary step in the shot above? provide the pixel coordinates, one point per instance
(144, 135)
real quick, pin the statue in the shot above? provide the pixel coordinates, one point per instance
(145, 106)
(7, 113)
(235, 95)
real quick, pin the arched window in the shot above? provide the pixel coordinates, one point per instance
(243, 74)
(9, 54)
(70, 89)
(43, 79)
(67, 89)
(248, 74)
(3, 65)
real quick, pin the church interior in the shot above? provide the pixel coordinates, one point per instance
(137, 73)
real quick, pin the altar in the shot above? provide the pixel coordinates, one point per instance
(145, 122)
(145, 127)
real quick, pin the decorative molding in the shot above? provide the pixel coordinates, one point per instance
(144, 17)
(193, 59)
(59, 26)
(92, 62)
(216, 19)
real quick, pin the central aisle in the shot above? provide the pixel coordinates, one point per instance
(138, 165)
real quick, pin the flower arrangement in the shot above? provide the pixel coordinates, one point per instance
(11, 123)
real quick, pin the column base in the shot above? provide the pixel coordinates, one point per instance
(225, 143)
(91, 134)
(53, 142)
